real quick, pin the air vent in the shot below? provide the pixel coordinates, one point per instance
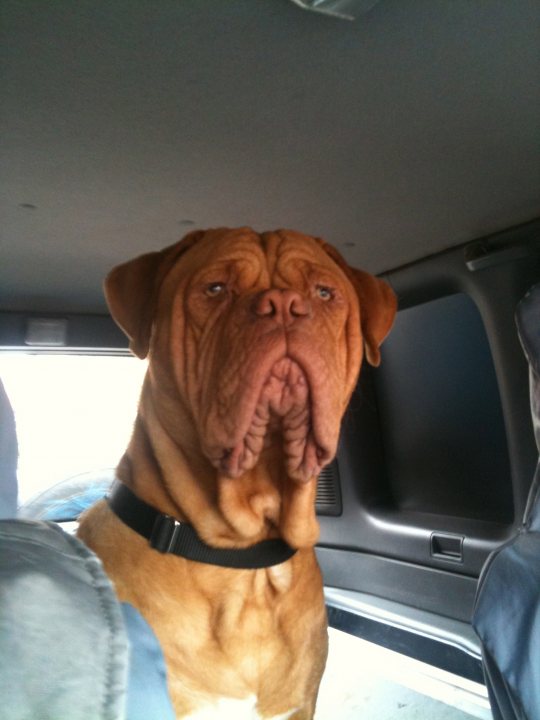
(328, 500)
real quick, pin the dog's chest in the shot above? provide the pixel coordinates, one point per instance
(232, 709)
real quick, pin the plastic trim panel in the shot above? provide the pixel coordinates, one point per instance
(437, 591)
(448, 645)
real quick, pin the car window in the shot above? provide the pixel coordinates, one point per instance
(74, 413)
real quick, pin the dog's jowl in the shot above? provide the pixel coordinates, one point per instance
(254, 345)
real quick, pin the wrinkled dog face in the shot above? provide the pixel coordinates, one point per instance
(263, 337)
(268, 329)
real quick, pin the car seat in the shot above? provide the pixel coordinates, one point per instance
(507, 610)
(69, 650)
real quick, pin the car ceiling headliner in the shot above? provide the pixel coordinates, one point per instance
(127, 123)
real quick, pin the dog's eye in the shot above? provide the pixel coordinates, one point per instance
(325, 293)
(215, 289)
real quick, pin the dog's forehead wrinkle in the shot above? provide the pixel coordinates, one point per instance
(286, 251)
(272, 252)
(276, 244)
(244, 267)
(299, 258)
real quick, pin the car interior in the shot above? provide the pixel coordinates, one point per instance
(405, 134)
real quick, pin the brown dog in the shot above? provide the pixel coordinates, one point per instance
(254, 344)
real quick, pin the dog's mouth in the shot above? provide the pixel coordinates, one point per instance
(283, 412)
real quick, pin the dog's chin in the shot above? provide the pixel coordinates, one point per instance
(283, 414)
(304, 458)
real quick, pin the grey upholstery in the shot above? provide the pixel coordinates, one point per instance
(507, 612)
(63, 643)
(8, 458)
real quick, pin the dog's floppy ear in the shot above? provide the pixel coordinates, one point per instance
(378, 305)
(131, 290)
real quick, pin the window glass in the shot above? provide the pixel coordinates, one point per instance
(440, 414)
(74, 413)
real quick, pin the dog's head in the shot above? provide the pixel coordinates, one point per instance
(257, 340)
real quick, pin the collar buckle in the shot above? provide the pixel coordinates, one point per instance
(165, 533)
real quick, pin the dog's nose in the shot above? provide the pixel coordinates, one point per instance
(285, 306)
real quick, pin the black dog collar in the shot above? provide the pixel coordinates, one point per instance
(168, 535)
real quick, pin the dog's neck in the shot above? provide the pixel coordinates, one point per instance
(173, 476)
